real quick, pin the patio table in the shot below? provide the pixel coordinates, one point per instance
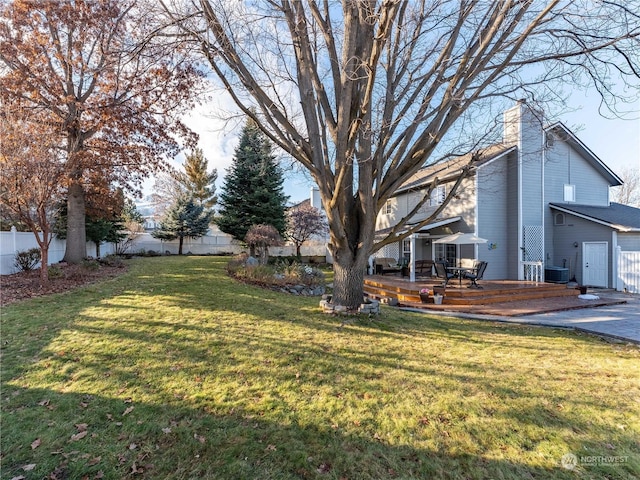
(459, 272)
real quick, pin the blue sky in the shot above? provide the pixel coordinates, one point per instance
(615, 141)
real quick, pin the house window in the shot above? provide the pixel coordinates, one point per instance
(558, 219)
(569, 193)
(446, 252)
(388, 209)
(438, 195)
(406, 248)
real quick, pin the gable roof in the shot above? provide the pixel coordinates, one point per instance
(305, 202)
(622, 218)
(568, 136)
(450, 169)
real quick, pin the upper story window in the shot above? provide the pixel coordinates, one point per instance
(438, 195)
(569, 193)
(388, 208)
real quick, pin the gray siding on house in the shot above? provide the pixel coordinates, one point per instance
(629, 242)
(463, 205)
(531, 163)
(493, 212)
(513, 232)
(563, 165)
(578, 230)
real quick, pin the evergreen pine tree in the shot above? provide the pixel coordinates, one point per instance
(183, 219)
(197, 182)
(252, 193)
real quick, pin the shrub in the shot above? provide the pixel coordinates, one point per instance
(282, 273)
(112, 261)
(54, 272)
(90, 263)
(236, 263)
(27, 259)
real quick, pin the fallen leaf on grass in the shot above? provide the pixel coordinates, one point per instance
(166, 430)
(28, 468)
(81, 426)
(94, 461)
(99, 475)
(35, 444)
(44, 403)
(200, 438)
(19, 477)
(133, 446)
(79, 436)
(127, 411)
(271, 448)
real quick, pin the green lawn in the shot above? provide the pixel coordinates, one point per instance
(176, 371)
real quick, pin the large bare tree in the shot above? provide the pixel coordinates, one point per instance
(629, 192)
(114, 93)
(363, 93)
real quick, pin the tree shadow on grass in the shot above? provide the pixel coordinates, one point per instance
(161, 441)
(264, 393)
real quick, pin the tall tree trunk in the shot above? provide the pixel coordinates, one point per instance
(348, 282)
(98, 250)
(76, 248)
(180, 245)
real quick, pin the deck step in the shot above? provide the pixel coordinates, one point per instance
(406, 292)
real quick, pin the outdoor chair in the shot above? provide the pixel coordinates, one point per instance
(441, 272)
(476, 274)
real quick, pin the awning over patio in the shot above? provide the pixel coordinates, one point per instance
(424, 231)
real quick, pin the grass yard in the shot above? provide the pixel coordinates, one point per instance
(175, 371)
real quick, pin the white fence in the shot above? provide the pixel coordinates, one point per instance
(13, 242)
(628, 271)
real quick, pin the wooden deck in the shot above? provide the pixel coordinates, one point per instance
(497, 297)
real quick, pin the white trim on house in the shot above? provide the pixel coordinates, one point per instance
(498, 156)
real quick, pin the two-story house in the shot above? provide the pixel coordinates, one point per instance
(539, 198)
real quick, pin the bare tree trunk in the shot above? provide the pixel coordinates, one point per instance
(44, 264)
(180, 245)
(348, 282)
(76, 248)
